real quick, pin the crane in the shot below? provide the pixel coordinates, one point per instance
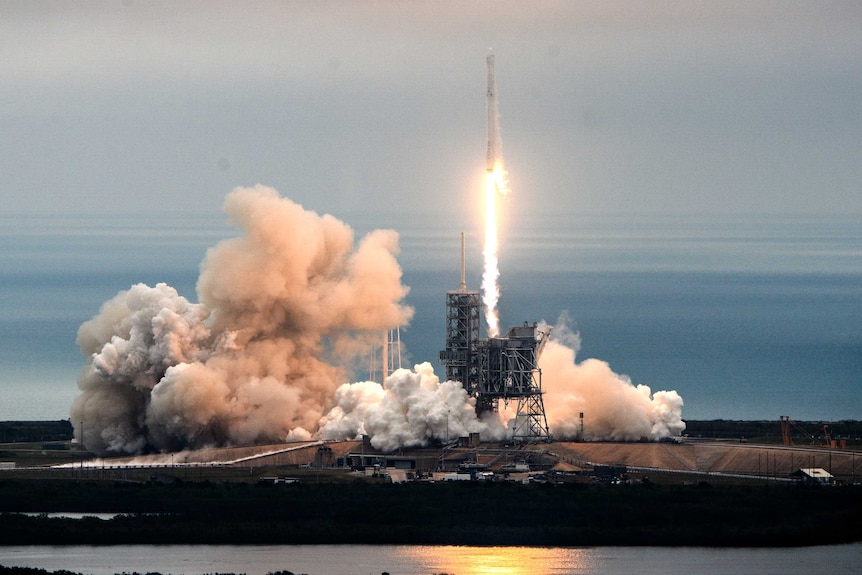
(786, 439)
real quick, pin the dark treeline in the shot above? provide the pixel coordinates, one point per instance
(29, 431)
(454, 513)
(802, 432)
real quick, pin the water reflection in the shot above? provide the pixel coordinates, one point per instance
(427, 560)
(500, 560)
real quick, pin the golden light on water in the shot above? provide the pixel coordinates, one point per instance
(501, 560)
(495, 186)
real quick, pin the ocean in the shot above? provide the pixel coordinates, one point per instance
(746, 316)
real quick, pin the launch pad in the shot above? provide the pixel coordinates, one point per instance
(496, 368)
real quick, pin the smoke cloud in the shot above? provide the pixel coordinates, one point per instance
(411, 409)
(613, 408)
(284, 310)
(414, 408)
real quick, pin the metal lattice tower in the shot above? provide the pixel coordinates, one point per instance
(463, 317)
(499, 368)
(509, 371)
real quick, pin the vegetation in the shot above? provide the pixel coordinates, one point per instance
(228, 505)
(462, 513)
(28, 431)
(42, 431)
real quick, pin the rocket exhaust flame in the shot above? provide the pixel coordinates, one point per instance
(491, 273)
(495, 185)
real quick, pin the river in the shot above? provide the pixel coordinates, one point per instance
(427, 560)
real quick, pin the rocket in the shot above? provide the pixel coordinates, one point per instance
(491, 104)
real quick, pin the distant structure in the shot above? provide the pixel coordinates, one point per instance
(496, 368)
(390, 359)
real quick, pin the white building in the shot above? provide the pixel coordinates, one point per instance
(813, 475)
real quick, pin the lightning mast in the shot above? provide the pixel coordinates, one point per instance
(463, 318)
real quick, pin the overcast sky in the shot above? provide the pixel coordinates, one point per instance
(358, 107)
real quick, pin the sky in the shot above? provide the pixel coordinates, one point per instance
(377, 108)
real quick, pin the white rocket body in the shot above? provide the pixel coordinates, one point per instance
(491, 102)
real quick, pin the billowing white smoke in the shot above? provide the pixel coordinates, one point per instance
(613, 407)
(255, 361)
(413, 408)
(410, 409)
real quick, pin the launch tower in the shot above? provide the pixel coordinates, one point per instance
(496, 368)
(463, 318)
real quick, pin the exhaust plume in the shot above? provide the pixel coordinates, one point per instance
(613, 407)
(410, 409)
(413, 408)
(496, 184)
(281, 309)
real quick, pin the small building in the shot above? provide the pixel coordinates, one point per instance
(515, 467)
(813, 476)
(458, 477)
(277, 480)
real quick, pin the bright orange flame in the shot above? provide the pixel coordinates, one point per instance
(495, 185)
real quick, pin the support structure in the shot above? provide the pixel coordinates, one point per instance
(509, 371)
(461, 356)
(463, 318)
(497, 368)
(390, 352)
